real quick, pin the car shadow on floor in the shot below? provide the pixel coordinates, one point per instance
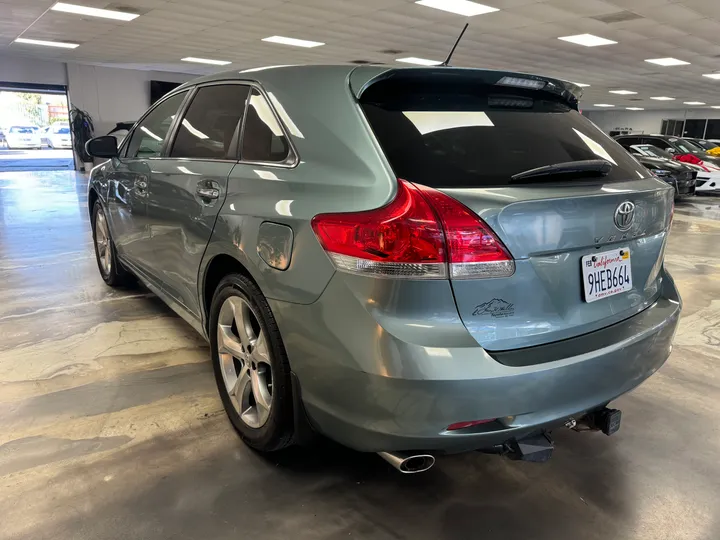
(204, 483)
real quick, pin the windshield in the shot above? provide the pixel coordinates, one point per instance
(651, 151)
(17, 129)
(463, 135)
(706, 145)
(63, 130)
(687, 146)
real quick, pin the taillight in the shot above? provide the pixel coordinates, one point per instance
(417, 235)
(474, 250)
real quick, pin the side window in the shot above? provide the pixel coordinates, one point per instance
(263, 138)
(660, 143)
(210, 123)
(148, 137)
(626, 142)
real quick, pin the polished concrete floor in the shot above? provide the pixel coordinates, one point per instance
(110, 426)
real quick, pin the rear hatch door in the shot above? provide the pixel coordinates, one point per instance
(468, 138)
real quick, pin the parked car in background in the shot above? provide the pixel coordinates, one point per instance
(2, 137)
(679, 175)
(23, 137)
(337, 234)
(677, 146)
(121, 130)
(702, 143)
(57, 136)
(707, 166)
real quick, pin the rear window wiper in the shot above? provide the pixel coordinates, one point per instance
(578, 169)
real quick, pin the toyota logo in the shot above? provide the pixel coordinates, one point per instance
(624, 215)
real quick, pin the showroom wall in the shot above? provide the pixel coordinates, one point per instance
(110, 95)
(644, 121)
(27, 70)
(113, 95)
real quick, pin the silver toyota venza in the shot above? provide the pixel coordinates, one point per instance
(409, 261)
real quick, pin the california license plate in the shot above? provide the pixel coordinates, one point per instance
(606, 274)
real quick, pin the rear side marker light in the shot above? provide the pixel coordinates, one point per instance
(421, 234)
(463, 425)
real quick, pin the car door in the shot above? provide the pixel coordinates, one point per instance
(189, 185)
(128, 185)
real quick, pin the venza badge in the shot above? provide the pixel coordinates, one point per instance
(624, 215)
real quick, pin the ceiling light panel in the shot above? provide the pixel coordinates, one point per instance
(206, 61)
(588, 40)
(712, 75)
(459, 7)
(59, 44)
(693, 103)
(603, 105)
(663, 98)
(667, 62)
(94, 12)
(293, 42)
(634, 108)
(419, 61)
(623, 92)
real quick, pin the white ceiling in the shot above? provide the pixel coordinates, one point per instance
(521, 36)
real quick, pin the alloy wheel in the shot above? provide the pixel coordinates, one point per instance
(102, 242)
(245, 361)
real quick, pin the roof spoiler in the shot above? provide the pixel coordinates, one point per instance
(363, 77)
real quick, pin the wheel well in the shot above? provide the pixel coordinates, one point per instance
(219, 267)
(92, 197)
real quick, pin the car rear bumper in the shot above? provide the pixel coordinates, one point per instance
(413, 392)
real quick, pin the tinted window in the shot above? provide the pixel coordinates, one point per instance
(149, 136)
(263, 138)
(444, 134)
(713, 129)
(25, 130)
(210, 123)
(628, 141)
(694, 128)
(62, 130)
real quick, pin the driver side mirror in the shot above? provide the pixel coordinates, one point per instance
(102, 147)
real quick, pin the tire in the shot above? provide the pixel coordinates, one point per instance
(239, 303)
(110, 268)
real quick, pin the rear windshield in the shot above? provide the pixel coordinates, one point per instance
(61, 130)
(461, 135)
(16, 129)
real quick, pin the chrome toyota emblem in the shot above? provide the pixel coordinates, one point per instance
(624, 215)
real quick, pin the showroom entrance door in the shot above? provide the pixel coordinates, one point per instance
(34, 128)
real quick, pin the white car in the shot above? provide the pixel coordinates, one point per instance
(57, 136)
(23, 137)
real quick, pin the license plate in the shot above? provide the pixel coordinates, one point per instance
(606, 274)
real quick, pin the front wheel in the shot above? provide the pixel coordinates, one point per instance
(251, 367)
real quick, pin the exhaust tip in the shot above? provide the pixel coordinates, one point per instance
(408, 463)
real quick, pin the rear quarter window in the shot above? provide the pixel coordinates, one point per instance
(480, 135)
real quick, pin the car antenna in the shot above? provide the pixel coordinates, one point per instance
(449, 56)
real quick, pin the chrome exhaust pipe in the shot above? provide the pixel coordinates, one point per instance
(408, 463)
